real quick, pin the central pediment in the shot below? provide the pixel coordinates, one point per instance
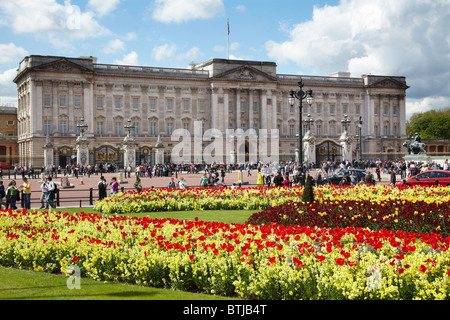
(64, 65)
(245, 73)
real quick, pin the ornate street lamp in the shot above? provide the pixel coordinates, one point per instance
(129, 127)
(301, 95)
(82, 126)
(345, 122)
(309, 121)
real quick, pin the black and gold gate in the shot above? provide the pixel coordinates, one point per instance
(328, 150)
(105, 154)
(145, 156)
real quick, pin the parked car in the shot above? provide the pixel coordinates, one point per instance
(337, 177)
(4, 165)
(428, 178)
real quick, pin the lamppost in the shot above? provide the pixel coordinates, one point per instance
(300, 95)
(360, 123)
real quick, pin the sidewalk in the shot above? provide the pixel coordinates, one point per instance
(79, 192)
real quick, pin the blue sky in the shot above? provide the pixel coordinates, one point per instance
(402, 38)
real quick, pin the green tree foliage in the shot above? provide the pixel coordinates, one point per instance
(433, 124)
(308, 192)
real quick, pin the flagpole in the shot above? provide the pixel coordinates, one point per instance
(228, 39)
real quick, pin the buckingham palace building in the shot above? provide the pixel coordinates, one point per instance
(57, 94)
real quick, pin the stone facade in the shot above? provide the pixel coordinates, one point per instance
(9, 153)
(55, 93)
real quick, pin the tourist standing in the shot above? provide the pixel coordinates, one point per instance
(44, 193)
(51, 190)
(102, 188)
(114, 186)
(182, 183)
(26, 192)
(393, 177)
(278, 180)
(2, 193)
(11, 194)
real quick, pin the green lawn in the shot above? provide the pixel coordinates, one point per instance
(18, 284)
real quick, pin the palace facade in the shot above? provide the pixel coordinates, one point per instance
(56, 93)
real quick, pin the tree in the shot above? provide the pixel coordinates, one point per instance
(433, 124)
(308, 191)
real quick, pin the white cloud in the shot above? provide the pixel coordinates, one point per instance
(51, 21)
(114, 46)
(102, 7)
(10, 53)
(241, 8)
(7, 86)
(130, 59)
(177, 11)
(402, 37)
(171, 52)
(426, 104)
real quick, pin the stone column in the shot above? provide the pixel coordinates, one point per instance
(48, 154)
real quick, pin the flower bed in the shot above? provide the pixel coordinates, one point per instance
(249, 261)
(258, 198)
(412, 216)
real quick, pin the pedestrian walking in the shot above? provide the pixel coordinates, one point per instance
(2, 195)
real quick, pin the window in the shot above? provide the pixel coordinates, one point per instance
(186, 126)
(169, 104)
(386, 109)
(153, 128)
(292, 130)
(332, 130)
(242, 106)
(230, 106)
(377, 109)
(186, 105)
(319, 108)
(77, 101)
(47, 100)
(62, 100)
(386, 130)
(169, 128)
(345, 109)
(10, 122)
(118, 103)
(332, 108)
(47, 126)
(255, 106)
(395, 130)
(63, 126)
(77, 129)
(377, 130)
(395, 110)
(319, 129)
(358, 109)
(278, 107)
(153, 104)
(99, 102)
(100, 127)
(202, 106)
(136, 128)
(291, 109)
(118, 127)
(135, 103)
